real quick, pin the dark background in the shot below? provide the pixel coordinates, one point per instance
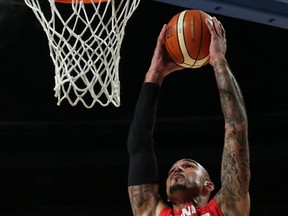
(64, 160)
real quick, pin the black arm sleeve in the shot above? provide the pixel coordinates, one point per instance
(143, 167)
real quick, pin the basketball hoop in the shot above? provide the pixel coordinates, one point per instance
(78, 1)
(84, 38)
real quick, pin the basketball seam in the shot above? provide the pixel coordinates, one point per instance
(177, 25)
(185, 44)
(202, 30)
(201, 38)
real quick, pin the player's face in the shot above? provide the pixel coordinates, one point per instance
(185, 176)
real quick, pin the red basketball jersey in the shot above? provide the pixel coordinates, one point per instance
(211, 209)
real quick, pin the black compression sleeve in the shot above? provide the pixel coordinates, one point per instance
(143, 168)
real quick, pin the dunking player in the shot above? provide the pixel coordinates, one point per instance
(188, 184)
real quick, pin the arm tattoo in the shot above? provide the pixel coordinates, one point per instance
(235, 173)
(142, 198)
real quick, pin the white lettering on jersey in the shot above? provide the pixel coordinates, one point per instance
(188, 211)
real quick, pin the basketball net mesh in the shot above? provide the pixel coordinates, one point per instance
(84, 42)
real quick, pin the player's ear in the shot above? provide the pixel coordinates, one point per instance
(209, 186)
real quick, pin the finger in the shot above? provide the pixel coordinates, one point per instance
(217, 26)
(222, 29)
(162, 33)
(209, 23)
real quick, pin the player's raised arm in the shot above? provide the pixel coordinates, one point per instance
(233, 197)
(143, 169)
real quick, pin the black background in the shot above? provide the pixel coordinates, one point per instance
(64, 160)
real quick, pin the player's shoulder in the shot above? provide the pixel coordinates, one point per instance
(162, 209)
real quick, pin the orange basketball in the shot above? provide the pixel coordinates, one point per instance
(187, 39)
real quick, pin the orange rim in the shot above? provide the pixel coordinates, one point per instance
(78, 1)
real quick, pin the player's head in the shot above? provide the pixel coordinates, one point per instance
(188, 181)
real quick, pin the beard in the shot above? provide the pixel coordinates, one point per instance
(177, 187)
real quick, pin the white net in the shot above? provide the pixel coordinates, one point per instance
(84, 42)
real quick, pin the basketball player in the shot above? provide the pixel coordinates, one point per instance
(188, 185)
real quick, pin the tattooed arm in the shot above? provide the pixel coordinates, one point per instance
(143, 172)
(233, 197)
